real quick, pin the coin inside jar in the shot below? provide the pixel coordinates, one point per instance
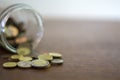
(12, 31)
(8, 32)
(20, 40)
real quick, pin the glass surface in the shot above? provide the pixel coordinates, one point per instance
(20, 21)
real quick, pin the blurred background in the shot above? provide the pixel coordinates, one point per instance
(75, 9)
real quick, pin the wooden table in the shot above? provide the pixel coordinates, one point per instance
(90, 49)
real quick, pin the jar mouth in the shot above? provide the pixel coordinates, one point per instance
(6, 14)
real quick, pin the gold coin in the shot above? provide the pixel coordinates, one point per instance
(10, 64)
(22, 58)
(40, 63)
(20, 40)
(55, 54)
(15, 56)
(13, 30)
(23, 51)
(45, 57)
(8, 32)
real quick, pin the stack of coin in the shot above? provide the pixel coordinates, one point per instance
(57, 58)
(54, 58)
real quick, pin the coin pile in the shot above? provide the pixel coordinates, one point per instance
(22, 60)
(15, 34)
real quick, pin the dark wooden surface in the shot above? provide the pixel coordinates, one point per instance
(90, 49)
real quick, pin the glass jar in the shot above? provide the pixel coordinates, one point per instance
(20, 21)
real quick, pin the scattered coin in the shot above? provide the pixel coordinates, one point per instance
(15, 56)
(24, 64)
(9, 64)
(56, 55)
(57, 61)
(23, 51)
(40, 63)
(22, 58)
(45, 57)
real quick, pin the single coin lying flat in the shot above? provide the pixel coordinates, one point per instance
(15, 57)
(22, 58)
(57, 61)
(24, 64)
(40, 63)
(56, 55)
(45, 57)
(9, 64)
